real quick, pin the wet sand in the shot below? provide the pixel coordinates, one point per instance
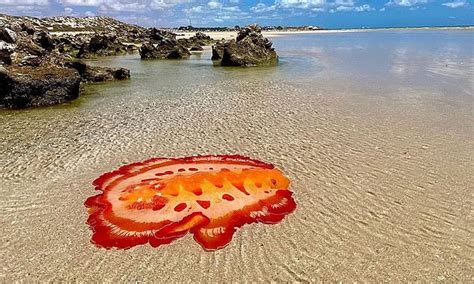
(378, 146)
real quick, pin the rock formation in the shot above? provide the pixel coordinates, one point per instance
(250, 48)
(98, 74)
(102, 45)
(199, 39)
(196, 48)
(163, 45)
(38, 69)
(22, 87)
(218, 50)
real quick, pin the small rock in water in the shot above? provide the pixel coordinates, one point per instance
(197, 48)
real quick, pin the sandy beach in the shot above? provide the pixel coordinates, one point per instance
(374, 131)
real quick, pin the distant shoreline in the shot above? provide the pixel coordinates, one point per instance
(277, 33)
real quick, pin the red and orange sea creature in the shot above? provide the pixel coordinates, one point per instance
(162, 199)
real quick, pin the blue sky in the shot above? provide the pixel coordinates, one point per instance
(324, 13)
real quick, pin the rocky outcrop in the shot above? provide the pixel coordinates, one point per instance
(159, 35)
(28, 28)
(67, 24)
(22, 87)
(199, 39)
(250, 48)
(196, 48)
(5, 57)
(98, 74)
(45, 41)
(37, 68)
(162, 44)
(163, 49)
(218, 50)
(102, 45)
(7, 35)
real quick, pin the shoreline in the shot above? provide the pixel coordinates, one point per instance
(217, 35)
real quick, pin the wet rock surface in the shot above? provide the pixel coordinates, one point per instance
(38, 67)
(40, 58)
(250, 48)
(199, 39)
(218, 50)
(7, 35)
(22, 87)
(196, 48)
(5, 56)
(102, 45)
(165, 48)
(44, 40)
(98, 74)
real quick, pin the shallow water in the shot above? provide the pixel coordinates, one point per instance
(374, 129)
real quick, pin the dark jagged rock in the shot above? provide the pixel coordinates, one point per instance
(250, 48)
(164, 49)
(31, 60)
(100, 42)
(218, 50)
(162, 44)
(184, 42)
(45, 41)
(201, 36)
(200, 39)
(102, 45)
(7, 35)
(22, 87)
(26, 45)
(28, 28)
(196, 48)
(37, 64)
(98, 74)
(5, 56)
(159, 35)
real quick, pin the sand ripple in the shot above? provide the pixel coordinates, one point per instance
(383, 194)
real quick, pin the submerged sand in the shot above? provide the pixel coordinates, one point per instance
(383, 182)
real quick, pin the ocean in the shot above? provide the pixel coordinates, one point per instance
(373, 128)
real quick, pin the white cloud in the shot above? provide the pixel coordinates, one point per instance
(231, 9)
(81, 2)
(195, 10)
(165, 4)
(119, 6)
(214, 4)
(24, 2)
(321, 5)
(301, 3)
(124, 5)
(455, 4)
(406, 3)
(364, 8)
(262, 8)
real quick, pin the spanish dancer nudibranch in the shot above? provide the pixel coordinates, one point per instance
(162, 199)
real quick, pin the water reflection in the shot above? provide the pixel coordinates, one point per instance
(392, 57)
